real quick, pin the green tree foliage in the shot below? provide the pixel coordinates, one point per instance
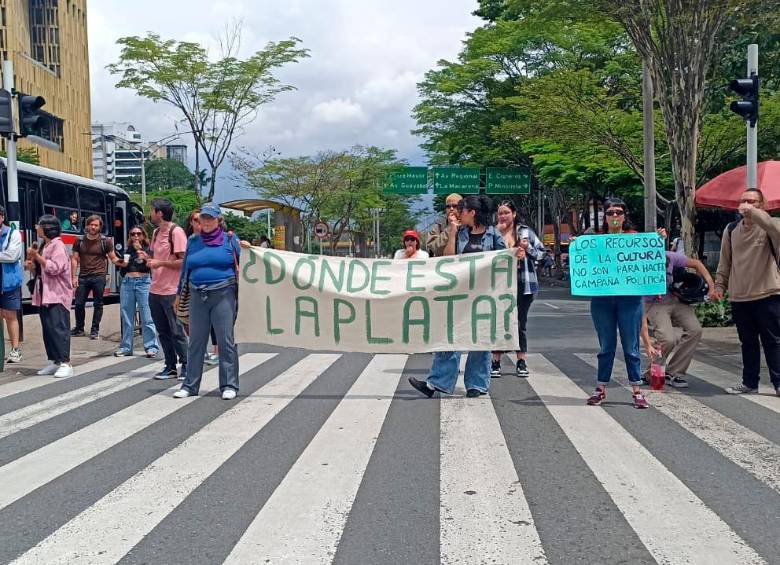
(25, 155)
(217, 98)
(164, 174)
(184, 202)
(338, 187)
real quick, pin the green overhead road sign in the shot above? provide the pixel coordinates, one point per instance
(463, 180)
(500, 180)
(409, 180)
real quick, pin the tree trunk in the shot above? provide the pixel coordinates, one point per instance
(197, 167)
(212, 184)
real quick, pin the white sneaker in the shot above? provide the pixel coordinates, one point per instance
(49, 369)
(15, 356)
(63, 371)
(228, 394)
(182, 393)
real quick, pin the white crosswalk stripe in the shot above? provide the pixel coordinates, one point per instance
(30, 383)
(672, 522)
(24, 475)
(30, 415)
(486, 511)
(766, 396)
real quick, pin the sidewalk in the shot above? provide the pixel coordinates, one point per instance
(82, 349)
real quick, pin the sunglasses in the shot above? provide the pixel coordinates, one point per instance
(136, 233)
(409, 239)
(611, 213)
(451, 206)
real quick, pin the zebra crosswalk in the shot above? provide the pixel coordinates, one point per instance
(333, 458)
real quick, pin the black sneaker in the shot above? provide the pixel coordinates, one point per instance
(421, 386)
(495, 369)
(676, 382)
(166, 373)
(777, 390)
(94, 335)
(473, 393)
(75, 332)
(522, 369)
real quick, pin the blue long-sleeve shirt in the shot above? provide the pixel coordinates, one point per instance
(205, 265)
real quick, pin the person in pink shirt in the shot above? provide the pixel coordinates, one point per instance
(53, 293)
(169, 242)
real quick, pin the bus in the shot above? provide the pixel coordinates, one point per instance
(72, 199)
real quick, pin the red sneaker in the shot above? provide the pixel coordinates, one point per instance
(598, 396)
(639, 400)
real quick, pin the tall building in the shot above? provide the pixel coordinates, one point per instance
(47, 42)
(116, 153)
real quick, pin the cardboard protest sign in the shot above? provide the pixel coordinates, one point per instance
(456, 303)
(628, 264)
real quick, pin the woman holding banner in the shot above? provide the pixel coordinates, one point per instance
(411, 248)
(611, 314)
(211, 271)
(473, 233)
(530, 250)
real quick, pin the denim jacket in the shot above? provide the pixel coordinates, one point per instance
(491, 239)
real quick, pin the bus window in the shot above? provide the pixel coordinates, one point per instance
(93, 203)
(59, 199)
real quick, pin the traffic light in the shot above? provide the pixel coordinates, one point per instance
(6, 114)
(31, 120)
(747, 88)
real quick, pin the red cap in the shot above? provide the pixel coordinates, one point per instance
(411, 233)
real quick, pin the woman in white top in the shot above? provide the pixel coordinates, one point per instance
(411, 248)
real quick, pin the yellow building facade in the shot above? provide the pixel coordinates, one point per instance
(47, 42)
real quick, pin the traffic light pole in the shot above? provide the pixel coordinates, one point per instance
(13, 181)
(752, 131)
(651, 216)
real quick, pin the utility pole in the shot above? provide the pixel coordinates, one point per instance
(13, 180)
(752, 128)
(651, 215)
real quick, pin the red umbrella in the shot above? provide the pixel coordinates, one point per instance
(724, 190)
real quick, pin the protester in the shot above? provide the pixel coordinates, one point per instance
(90, 257)
(52, 292)
(470, 231)
(516, 234)
(547, 263)
(613, 313)
(748, 269)
(169, 243)
(11, 294)
(411, 248)
(438, 236)
(665, 313)
(134, 293)
(264, 242)
(192, 227)
(211, 272)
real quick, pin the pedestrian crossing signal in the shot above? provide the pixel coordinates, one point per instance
(6, 114)
(31, 119)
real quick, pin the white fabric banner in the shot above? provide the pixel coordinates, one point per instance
(456, 303)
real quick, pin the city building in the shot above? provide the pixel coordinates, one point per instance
(116, 153)
(47, 42)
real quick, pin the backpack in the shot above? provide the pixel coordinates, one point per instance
(170, 236)
(733, 225)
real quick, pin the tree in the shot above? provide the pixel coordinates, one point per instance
(163, 174)
(25, 155)
(216, 98)
(339, 187)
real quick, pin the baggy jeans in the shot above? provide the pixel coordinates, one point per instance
(446, 364)
(217, 309)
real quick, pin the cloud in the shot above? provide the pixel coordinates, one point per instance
(357, 87)
(339, 111)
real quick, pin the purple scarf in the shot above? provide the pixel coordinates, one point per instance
(213, 239)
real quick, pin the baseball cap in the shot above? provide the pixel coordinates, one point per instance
(210, 209)
(411, 233)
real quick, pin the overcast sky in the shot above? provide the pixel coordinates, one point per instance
(358, 86)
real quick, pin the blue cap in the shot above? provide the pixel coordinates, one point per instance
(210, 209)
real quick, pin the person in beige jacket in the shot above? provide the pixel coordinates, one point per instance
(438, 236)
(749, 270)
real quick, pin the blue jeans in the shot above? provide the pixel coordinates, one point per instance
(135, 292)
(446, 364)
(610, 314)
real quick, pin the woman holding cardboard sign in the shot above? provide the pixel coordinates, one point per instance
(472, 233)
(611, 314)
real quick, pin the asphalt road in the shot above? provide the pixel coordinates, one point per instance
(334, 458)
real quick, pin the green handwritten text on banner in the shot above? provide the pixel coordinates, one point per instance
(456, 303)
(618, 265)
